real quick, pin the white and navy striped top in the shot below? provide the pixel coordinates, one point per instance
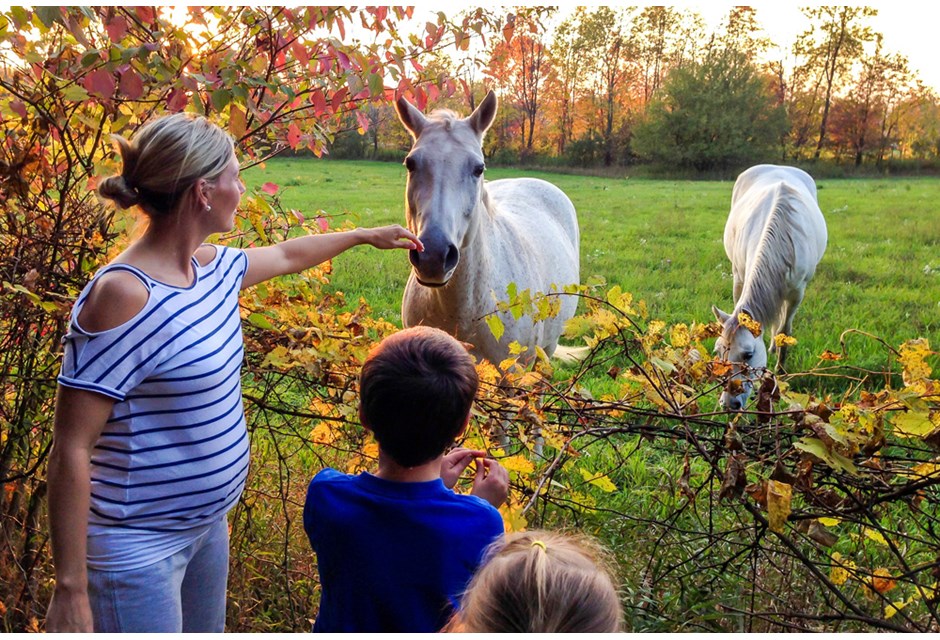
(174, 454)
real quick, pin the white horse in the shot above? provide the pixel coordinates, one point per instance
(480, 236)
(775, 236)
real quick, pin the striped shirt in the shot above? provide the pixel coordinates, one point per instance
(173, 455)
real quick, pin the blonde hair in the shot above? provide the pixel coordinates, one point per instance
(165, 158)
(541, 582)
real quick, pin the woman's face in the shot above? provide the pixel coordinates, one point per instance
(225, 196)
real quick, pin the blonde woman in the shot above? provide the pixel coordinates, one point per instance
(150, 447)
(541, 582)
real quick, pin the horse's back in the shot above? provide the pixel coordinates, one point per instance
(530, 201)
(774, 212)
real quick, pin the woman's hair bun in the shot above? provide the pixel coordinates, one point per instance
(116, 188)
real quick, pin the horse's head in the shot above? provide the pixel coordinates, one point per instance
(746, 350)
(445, 184)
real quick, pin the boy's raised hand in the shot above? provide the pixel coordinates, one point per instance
(455, 462)
(491, 482)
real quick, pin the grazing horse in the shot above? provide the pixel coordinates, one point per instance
(481, 236)
(775, 236)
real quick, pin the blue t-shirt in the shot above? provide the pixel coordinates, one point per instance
(393, 556)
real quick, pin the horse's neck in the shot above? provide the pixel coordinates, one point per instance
(765, 279)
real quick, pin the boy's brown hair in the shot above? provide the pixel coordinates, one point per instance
(541, 582)
(416, 389)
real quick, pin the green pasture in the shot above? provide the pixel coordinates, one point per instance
(662, 241)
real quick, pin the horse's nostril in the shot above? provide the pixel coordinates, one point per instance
(453, 256)
(414, 257)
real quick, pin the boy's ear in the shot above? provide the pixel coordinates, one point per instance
(362, 420)
(466, 423)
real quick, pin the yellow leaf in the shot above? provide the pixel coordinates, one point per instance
(749, 323)
(783, 340)
(322, 434)
(599, 480)
(519, 464)
(875, 535)
(894, 607)
(924, 470)
(779, 495)
(371, 450)
(513, 520)
(840, 570)
(913, 355)
(679, 336)
(829, 522)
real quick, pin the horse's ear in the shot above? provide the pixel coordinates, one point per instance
(410, 116)
(481, 119)
(720, 315)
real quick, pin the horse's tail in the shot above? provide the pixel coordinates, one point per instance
(570, 355)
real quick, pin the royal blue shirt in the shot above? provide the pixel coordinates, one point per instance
(393, 556)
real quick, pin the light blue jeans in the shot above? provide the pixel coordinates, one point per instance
(182, 593)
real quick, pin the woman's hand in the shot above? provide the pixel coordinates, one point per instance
(69, 612)
(394, 236)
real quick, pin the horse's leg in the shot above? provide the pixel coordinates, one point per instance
(792, 304)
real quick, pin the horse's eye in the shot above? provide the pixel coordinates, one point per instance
(747, 355)
(410, 164)
(478, 170)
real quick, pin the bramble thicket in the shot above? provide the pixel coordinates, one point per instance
(811, 512)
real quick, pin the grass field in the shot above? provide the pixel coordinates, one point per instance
(662, 241)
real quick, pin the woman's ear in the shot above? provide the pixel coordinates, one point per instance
(200, 192)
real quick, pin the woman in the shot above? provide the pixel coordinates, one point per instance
(150, 446)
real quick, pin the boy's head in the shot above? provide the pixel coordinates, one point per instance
(416, 388)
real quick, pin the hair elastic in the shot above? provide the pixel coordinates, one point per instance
(539, 543)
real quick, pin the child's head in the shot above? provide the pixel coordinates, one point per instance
(416, 390)
(541, 582)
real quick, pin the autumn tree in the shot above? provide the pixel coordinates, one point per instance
(665, 38)
(827, 50)
(715, 114)
(520, 63)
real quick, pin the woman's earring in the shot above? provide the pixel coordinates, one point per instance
(208, 207)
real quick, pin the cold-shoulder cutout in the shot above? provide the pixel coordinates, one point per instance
(205, 254)
(116, 297)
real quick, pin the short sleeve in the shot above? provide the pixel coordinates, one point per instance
(114, 361)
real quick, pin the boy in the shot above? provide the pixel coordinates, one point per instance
(396, 549)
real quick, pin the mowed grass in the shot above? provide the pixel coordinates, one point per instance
(662, 241)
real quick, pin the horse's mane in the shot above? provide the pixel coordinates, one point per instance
(766, 283)
(445, 116)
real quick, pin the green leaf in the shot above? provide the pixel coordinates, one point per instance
(817, 447)
(495, 324)
(75, 93)
(912, 424)
(260, 321)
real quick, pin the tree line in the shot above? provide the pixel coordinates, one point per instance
(627, 85)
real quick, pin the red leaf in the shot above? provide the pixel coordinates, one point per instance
(100, 82)
(269, 187)
(117, 28)
(177, 100)
(293, 136)
(18, 107)
(323, 223)
(131, 85)
(344, 60)
(145, 14)
(337, 100)
(300, 52)
(319, 102)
